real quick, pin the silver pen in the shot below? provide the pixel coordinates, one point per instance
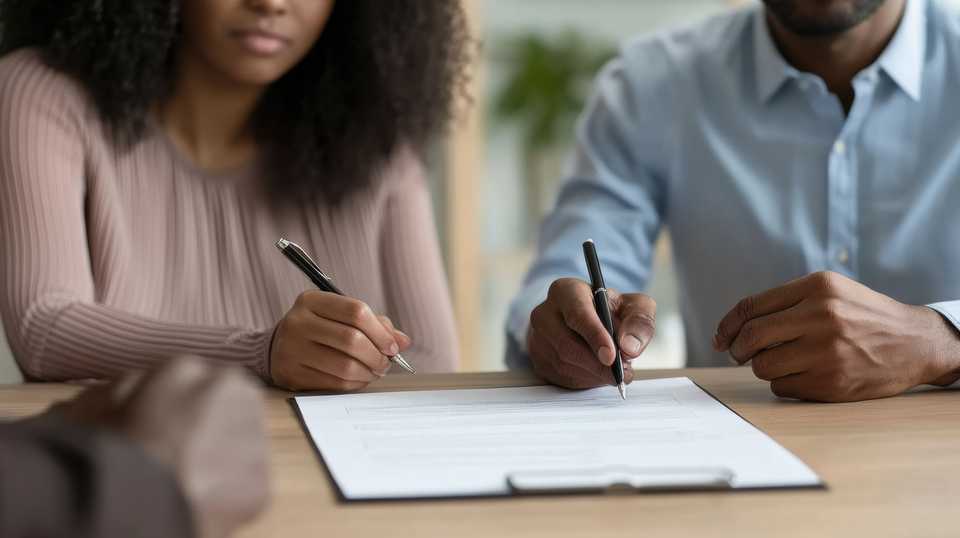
(295, 254)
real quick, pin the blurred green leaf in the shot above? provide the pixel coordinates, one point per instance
(547, 84)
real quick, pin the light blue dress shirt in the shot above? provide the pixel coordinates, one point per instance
(760, 176)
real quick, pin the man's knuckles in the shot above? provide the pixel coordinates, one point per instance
(827, 284)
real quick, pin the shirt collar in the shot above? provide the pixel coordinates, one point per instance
(772, 69)
(902, 60)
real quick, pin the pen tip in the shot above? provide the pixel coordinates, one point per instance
(404, 364)
(589, 241)
(282, 243)
(623, 391)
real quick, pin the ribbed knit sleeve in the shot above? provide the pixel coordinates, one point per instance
(56, 325)
(417, 293)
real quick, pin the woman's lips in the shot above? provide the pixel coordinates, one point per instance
(261, 43)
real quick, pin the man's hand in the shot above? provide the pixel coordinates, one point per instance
(204, 422)
(568, 344)
(827, 338)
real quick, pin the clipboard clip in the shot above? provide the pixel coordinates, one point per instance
(619, 480)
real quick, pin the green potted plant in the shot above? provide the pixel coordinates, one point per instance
(546, 87)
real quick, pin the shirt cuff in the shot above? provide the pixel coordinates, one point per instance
(951, 311)
(518, 323)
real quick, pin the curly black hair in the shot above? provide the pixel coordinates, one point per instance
(382, 74)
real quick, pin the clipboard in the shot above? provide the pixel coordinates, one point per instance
(620, 480)
(541, 440)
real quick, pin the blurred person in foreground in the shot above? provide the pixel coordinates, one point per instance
(152, 153)
(143, 457)
(803, 156)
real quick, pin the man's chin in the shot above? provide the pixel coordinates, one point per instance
(821, 18)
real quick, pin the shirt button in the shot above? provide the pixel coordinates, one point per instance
(840, 147)
(843, 256)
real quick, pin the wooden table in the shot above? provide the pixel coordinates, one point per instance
(892, 468)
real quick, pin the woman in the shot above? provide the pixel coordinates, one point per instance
(152, 152)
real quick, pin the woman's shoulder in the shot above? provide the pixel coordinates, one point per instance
(404, 170)
(400, 175)
(28, 82)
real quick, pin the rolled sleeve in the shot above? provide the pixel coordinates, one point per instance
(951, 311)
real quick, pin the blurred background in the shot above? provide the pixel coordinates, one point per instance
(498, 172)
(504, 163)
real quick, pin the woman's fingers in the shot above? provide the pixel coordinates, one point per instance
(320, 380)
(340, 365)
(402, 339)
(345, 340)
(354, 313)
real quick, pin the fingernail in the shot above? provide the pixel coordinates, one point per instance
(393, 349)
(632, 344)
(605, 355)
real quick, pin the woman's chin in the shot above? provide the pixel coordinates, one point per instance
(256, 73)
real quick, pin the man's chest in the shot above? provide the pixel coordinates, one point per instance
(875, 197)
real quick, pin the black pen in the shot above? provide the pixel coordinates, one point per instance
(603, 310)
(295, 254)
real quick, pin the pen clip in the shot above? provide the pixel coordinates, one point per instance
(306, 257)
(306, 264)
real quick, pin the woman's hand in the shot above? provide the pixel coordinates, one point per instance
(331, 342)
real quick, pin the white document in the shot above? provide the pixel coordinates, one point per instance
(451, 443)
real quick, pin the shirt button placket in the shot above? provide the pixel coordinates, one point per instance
(843, 257)
(841, 205)
(843, 202)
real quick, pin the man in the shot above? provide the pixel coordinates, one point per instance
(805, 155)
(179, 452)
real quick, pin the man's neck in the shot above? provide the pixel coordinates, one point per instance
(838, 58)
(208, 117)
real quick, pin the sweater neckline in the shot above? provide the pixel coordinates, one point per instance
(183, 161)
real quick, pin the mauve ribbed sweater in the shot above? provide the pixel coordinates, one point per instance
(113, 260)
